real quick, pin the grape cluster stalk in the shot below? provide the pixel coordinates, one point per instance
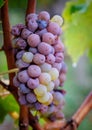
(39, 55)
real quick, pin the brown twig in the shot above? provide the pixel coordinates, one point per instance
(31, 6)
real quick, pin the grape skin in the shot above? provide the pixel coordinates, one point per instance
(44, 78)
(20, 64)
(44, 15)
(50, 59)
(32, 25)
(34, 71)
(27, 57)
(45, 67)
(33, 83)
(38, 59)
(54, 73)
(31, 98)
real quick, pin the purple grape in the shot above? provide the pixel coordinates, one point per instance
(32, 25)
(59, 57)
(23, 89)
(31, 16)
(22, 99)
(33, 50)
(50, 59)
(23, 76)
(43, 109)
(44, 15)
(25, 33)
(33, 83)
(21, 44)
(31, 98)
(41, 32)
(58, 66)
(20, 54)
(38, 59)
(64, 68)
(21, 64)
(38, 105)
(16, 81)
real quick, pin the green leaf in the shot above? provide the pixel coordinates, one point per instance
(7, 105)
(77, 29)
(1, 3)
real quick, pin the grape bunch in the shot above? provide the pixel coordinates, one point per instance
(39, 55)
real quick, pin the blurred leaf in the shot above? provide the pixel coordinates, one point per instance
(7, 105)
(77, 28)
(1, 3)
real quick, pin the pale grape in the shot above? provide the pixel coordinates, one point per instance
(48, 38)
(54, 73)
(23, 76)
(50, 86)
(44, 48)
(50, 100)
(45, 67)
(27, 57)
(40, 90)
(33, 40)
(57, 19)
(38, 59)
(44, 78)
(34, 71)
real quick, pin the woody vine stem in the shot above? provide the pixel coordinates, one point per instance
(26, 117)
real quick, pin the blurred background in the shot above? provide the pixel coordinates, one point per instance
(77, 30)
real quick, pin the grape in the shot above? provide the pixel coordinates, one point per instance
(53, 28)
(40, 90)
(50, 59)
(16, 30)
(33, 83)
(31, 16)
(41, 32)
(27, 57)
(59, 57)
(59, 115)
(48, 38)
(44, 78)
(44, 109)
(44, 98)
(44, 48)
(44, 15)
(51, 109)
(34, 71)
(23, 76)
(31, 98)
(38, 59)
(33, 40)
(25, 33)
(38, 105)
(54, 73)
(58, 66)
(32, 25)
(21, 44)
(64, 68)
(42, 24)
(57, 83)
(23, 89)
(57, 19)
(16, 82)
(33, 50)
(20, 64)
(59, 47)
(19, 54)
(62, 77)
(49, 100)
(50, 86)
(45, 67)
(58, 98)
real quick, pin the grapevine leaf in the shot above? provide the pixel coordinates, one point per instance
(1, 3)
(77, 29)
(7, 105)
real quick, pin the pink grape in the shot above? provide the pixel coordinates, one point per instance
(38, 59)
(31, 16)
(25, 33)
(44, 48)
(33, 40)
(34, 71)
(44, 15)
(20, 54)
(59, 47)
(53, 28)
(62, 77)
(23, 76)
(59, 57)
(20, 64)
(50, 59)
(33, 83)
(33, 50)
(31, 98)
(48, 38)
(32, 25)
(56, 83)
